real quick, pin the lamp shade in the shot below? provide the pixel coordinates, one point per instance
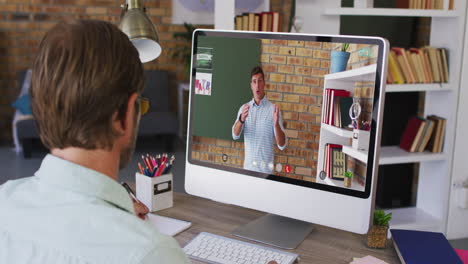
(141, 32)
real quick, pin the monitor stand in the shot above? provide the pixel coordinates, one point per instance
(275, 230)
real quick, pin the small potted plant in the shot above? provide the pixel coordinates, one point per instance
(348, 179)
(339, 59)
(377, 235)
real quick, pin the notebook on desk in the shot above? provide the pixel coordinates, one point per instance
(420, 247)
(166, 225)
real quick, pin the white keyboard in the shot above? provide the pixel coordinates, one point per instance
(216, 249)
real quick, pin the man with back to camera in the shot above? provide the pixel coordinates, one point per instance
(262, 125)
(85, 94)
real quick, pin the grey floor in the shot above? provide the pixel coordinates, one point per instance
(14, 166)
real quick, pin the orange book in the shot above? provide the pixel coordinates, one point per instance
(251, 22)
(427, 65)
(404, 64)
(445, 64)
(433, 61)
(276, 24)
(414, 55)
(440, 65)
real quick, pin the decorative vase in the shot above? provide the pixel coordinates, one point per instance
(348, 181)
(339, 61)
(377, 237)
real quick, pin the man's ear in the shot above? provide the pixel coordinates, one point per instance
(125, 121)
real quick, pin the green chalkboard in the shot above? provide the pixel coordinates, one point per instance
(232, 60)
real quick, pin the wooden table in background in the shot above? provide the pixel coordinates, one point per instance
(323, 245)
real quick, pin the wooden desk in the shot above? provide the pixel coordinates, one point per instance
(323, 245)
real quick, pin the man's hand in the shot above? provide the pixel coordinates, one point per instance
(276, 115)
(245, 112)
(140, 209)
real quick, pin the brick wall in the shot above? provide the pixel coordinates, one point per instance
(24, 22)
(294, 75)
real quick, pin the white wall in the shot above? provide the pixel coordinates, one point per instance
(458, 218)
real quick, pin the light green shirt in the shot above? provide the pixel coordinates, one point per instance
(67, 213)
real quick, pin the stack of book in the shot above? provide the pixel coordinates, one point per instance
(337, 104)
(422, 4)
(424, 134)
(265, 21)
(335, 162)
(424, 65)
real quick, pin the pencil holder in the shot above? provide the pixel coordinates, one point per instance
(155, 192)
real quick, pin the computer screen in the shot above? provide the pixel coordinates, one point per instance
(295, 109)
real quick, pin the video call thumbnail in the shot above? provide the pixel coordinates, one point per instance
(284, 107)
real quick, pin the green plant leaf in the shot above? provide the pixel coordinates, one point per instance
(381, 219)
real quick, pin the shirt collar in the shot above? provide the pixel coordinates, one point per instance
(262, 102)
(76, 178)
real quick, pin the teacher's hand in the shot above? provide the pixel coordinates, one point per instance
(276, 115)
(245, 112)
(140, 209)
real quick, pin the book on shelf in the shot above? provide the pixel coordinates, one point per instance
(423, 65)
(276, 22)
(420, 4)
(417, 138)
(410, 133)
(338, 162)
(245, 21)
(423, 247)
(238, 23)
(436, 141)
(424, 134)
(394, 70)
(335, 161)
(343, 105)
(265, 21)
(332, 107)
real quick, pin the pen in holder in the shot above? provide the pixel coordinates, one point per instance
(155, 192)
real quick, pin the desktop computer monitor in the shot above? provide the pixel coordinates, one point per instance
(287, 124)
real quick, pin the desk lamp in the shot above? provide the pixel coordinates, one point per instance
(140, 30)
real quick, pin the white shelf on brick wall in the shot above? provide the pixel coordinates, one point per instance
(396, 155)
(357, 154)
(419, 87)
(338, 131)
(354, 186)
(366, 73)
(400, 12)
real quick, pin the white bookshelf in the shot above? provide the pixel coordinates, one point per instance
(357, 154)
(396, 155)
(366, 73)
(338, 131)
(398, 12)
(435, 169)
(420, 87)
(415, 218)
(354, 186)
